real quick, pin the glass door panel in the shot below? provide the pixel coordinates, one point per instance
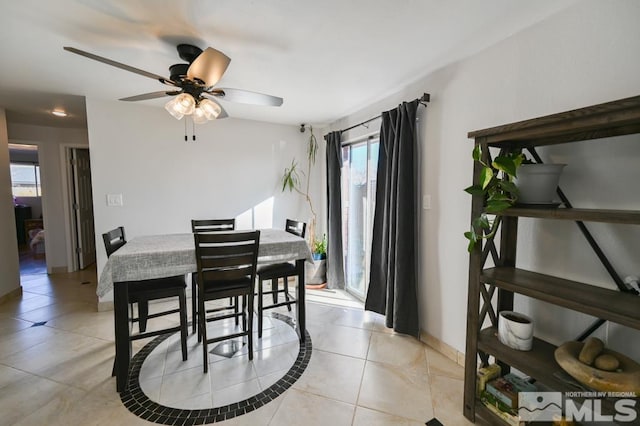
(358, 201)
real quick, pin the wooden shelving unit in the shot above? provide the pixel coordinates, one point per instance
(599, 121)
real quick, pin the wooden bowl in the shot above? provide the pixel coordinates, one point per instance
(625, 379)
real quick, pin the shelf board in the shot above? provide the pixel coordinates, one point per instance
(630, 217)
(538, 363)
(615, 118)
(612, 305)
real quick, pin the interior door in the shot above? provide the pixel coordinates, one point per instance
(83, 207)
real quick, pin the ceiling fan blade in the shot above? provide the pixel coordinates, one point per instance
(119, 65)
(208, 67)
(246, 97)
(152, 95)
(223, 113)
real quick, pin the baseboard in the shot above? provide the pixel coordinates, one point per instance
(58, 270)
(13, 294)
(446, 350)
(107, 305)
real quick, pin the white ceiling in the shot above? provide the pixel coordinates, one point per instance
(326, 58)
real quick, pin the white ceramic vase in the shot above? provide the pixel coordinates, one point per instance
(515, 330)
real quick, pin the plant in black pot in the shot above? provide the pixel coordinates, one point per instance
(496, 186)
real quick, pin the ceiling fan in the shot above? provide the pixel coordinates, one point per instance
(192, 84)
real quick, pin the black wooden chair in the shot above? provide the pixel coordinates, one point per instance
(208, 225)
(274, 272)
(226, 268)
(141, 292)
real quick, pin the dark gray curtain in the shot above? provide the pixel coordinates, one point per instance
(393, 281)
(335, 267)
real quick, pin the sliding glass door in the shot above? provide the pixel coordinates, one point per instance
(360, 163)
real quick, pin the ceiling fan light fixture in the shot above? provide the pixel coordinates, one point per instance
(171, 107)
(185, 104)
(210, 109)
(199, 116)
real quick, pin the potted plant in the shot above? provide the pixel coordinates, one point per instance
(291, 181)
(510, 178)
(316, 273)
(496, 186)
(319, 249)
(537, 183)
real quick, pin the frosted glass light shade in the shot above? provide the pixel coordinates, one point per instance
(171, 108)
(199, 116)
(185, 104)
(210, 109)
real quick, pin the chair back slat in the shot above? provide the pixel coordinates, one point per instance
(211, 225)
(236, 260)
(295, 227)
(113, 240)
(227, 275)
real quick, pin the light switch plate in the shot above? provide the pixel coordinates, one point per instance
(426, 202)
(114, 200)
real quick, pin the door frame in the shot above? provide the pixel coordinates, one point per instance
(43, 190)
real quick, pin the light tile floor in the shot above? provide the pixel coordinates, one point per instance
(360, 373)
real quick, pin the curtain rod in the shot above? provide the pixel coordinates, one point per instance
(422, 100)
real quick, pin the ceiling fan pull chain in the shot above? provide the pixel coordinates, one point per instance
(193, 123)
(186, 139)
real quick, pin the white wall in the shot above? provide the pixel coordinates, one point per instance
(584, 55)
(50, 141)
(10, 276)
(232, 170)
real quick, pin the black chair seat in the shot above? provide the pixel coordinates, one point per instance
(267, 272)
(156, 288)
(228, 286)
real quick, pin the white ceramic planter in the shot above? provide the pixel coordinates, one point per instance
(515, 330)
(537, 183)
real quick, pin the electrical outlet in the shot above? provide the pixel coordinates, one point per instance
(633, 281)
(114, 200)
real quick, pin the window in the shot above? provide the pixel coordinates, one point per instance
(25, 180)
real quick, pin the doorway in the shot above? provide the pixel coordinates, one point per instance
(26, 188)
(359, 176)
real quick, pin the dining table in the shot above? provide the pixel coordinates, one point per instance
(158, 256)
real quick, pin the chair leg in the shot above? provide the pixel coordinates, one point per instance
(286, 291)
(260, 309)
(234, 302)
(143, 313)
(183, 324)
(202, 321)
(250, 296)
(194, 303)
(244, 313)
(274, 290)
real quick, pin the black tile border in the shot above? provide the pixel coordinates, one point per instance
(139, 404)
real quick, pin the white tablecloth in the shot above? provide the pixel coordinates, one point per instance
(157, 256)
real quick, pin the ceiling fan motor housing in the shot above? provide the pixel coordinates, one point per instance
(188, 52)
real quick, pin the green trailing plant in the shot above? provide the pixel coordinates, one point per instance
(291, 180)
(498, 190)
